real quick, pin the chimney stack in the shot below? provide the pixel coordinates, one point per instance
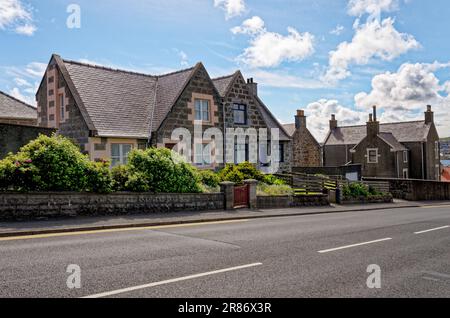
(252, 86)
(333, 122)
(373, 126)
(300, 119)
(429, 115)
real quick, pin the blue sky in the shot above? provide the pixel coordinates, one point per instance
(392, 53)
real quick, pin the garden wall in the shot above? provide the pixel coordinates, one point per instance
(14, 206)
(289, 201)
(416, 190)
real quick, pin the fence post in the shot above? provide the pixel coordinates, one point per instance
(227, 188)
(252, 196)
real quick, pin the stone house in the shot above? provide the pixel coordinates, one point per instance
(16, 112)
(306, 150)
(395, 150)
(108, 112)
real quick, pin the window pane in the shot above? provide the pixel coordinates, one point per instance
(198, 109)
(115, 150)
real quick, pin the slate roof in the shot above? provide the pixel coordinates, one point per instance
(223, 84)
(414, 131)
(13, 108)
(290, 129)
(125, 104)
(392, 141)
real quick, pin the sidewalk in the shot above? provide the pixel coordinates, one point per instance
(114, 222)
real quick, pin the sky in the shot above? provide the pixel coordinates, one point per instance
(326, 57)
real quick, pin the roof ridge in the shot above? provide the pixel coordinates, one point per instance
(381, 124)
(105, 68)
(224, 77)
(17, 100)
(177, 72)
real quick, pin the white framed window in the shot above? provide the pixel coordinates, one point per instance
(405, 174)
(119, 154)
(372, 155)
(62, 107)
(241, 153)
(405, 156)
(202, 110)
(202, 155)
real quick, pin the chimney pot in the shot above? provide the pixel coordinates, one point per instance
(301, 113)
(374, 113)
(370, 118)
(428, 108)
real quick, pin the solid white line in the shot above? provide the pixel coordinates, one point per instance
(431, 230)
(170, 281)
(354, 245)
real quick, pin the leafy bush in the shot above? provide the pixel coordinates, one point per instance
(160, 171)
(373, 191)
(46, 164)
(356, 190)
(209, 178)
(232, 174)
(272, 180)
(99, 178)
(120, 176)
(273, 190)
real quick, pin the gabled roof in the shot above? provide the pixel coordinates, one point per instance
(121, 103)
(13, 108)
(392, 141)
(290, 129)
(223, 86)
(414, 131)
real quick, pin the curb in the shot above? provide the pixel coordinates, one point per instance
(180, 222)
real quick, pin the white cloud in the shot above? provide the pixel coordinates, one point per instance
(14, 15)
(372, 7)
(373, 39)
(21, 82)
(232, 8)
(29, 99)
(319, 114)
(184, 58)
(403, 95)
(337, 30)
(270, 49)
(285, 80)
(253, 25)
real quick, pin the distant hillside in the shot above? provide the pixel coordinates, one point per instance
(445, 139)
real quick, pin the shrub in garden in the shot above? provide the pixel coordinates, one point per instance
(209, 178)
(120, 176)
(161, 171)
(272, 180)
(356, 190)
(47, 164)
(99, 178)
(232, 174)
(273, 190)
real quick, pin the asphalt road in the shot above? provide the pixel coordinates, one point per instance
(305, 256)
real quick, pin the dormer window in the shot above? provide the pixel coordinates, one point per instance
(202, 110)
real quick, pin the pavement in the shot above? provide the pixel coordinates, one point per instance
(114, 222)
(319, 255)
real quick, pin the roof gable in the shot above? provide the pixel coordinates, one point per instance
(416, 131)
(11, 107)
(223, 84)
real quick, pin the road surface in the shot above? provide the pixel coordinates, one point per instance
(304, 256)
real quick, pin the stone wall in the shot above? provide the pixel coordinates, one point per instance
(22, 206)
(288, 201)
(13, 137)
(18, 121)
(416, 190)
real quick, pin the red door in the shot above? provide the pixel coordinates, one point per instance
(241, 196)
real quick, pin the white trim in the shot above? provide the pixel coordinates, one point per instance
(405, 156)
(377, 155)
(406, 170)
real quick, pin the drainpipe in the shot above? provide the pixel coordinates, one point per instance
(224, 133)
(423, 162)
(398, 169)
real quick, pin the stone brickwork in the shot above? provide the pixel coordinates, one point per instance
(280, 202)
(19, 121)
(306, 151)
(416, 190)
(21, 206)
(74, 126)
(13, 137)
(181, 114)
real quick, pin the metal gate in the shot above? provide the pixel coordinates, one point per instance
(241, 196)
